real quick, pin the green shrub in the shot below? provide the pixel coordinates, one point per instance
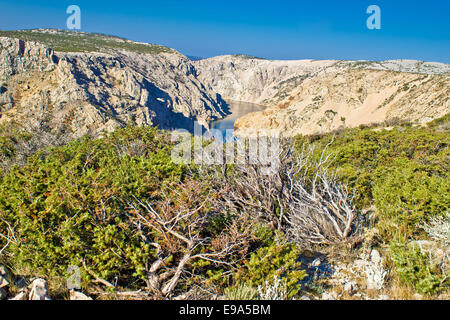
(79, 204)
(407, 195)
(403, 172)
(67, 207)
(276, 260)
(440, 121)
(241, 292)
(414, 268)
(70, 41)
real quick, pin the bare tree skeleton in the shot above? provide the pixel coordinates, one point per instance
(304, 197)
(182, 230)
(321, 209)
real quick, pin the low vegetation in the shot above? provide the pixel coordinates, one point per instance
(118, 208)
(70, 41)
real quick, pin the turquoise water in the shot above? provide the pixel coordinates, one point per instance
(237, 109)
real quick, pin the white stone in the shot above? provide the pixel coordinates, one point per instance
(20, 296)
(417, 296)
(375, 257)
(76, 295)
(350, 287)
(316, 262)
(329, 296)
(375, 271)
(39, 290)
(3, 276)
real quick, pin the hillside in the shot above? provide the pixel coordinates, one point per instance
(90, 186)
(89, 83)
(350, 98)
(77, 41)
(307, 96)
(76, 83)
(360, 214)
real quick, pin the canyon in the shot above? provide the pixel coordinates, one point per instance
(313, 97)
(75, 83)
(90, 92)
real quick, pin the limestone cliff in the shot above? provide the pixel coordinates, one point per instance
(81, 83)
(307, 96)
(97, 83)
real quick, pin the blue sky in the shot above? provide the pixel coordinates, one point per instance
(322, 29)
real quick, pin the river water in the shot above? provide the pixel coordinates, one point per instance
(237, 109)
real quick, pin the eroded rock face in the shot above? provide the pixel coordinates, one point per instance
(87, 93)
(349, 98)
(309, 97)
(253, 80)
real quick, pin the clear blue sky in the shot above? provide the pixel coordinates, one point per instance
(321, 29)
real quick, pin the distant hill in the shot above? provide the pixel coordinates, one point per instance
(78, 83)
(316, 96)
(75, 41)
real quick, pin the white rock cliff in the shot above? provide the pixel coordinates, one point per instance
(86, 93)
(310, 97)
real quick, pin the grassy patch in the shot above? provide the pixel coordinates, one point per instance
(69, 41)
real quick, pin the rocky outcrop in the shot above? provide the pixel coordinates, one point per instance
(91, 92)
(310, 97)
(247, 79)
(95, 83)
(4, 277)
(38, 290)
(353, 97)
(76, 295)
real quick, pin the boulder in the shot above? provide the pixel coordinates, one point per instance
(4, 276)
(350, 287)
(375, 271)
(22, 295)
(39, 290)
(76, 295)
(329, 296)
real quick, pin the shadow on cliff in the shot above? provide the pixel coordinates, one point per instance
(160, 105)
(166, 118)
